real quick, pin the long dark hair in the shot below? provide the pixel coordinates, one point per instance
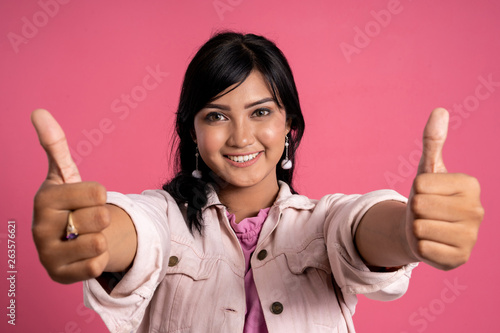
(226, 59)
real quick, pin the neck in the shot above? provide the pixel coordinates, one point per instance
(246, 202)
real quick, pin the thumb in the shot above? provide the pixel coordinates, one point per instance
(433, 140)
(62, 169)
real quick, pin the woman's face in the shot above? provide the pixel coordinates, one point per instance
(241, 135)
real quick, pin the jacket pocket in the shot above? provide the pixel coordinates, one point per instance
(185, 260)
(186, 294)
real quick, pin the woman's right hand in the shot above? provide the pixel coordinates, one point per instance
(62, 192)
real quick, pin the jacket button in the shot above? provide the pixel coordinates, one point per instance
(262, 255)
(276, 308)
(172, 261)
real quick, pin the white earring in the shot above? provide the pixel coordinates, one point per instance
(286, 163)
(196, 173)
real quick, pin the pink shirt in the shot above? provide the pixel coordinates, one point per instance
(307, 270)
(248, 231)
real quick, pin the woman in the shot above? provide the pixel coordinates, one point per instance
(227, 246)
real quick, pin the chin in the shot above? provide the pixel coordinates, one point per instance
(239, 182)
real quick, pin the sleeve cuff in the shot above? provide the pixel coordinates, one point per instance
(123, 309)
(350, 272)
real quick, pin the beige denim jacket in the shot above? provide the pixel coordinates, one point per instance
(306, 269)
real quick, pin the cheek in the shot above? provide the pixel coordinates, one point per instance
(210, 140)
(273, 136)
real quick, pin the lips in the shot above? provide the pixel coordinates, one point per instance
(242, 158)
(242, 161)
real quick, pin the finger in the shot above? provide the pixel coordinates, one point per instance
(64, 252)
(91, 219)
(86, 246)
(62, 168)
(435, 132)
(86, 221)
(446, 184)
(452, 234)
(442, 256)
(80, 270)
(66, 197)
(441, 208)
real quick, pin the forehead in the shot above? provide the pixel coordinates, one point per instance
(255, 87)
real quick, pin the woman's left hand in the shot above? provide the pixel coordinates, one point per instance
(444, 210)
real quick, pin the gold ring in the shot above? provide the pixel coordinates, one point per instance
(71, 232)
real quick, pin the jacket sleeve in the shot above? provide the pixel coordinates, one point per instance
(123, 308)
(344, 212)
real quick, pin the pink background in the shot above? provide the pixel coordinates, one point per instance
(365, 110)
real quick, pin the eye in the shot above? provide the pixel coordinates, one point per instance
(215, 116)
(261, 112)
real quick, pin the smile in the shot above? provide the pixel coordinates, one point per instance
(242, 158)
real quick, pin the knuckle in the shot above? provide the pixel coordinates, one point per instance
(465, 257)
(462, 258)
(37, 201)
(45, 263)
(98, 244)
(41, 197)
(43, 231)
(55, 273)
(417, 203)
(470, 184)
(98, 193)
(479, 213)
(472, 235)
(37, 231)
(422, 249)
(419, 183)
(53, 276)
(473, 182)
(418, 228)
(94, 268)
(102, 217)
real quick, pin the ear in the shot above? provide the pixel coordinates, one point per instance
(288, 125)
(193, 135)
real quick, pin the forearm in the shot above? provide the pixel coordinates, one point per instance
(380, 236)
(121, 239)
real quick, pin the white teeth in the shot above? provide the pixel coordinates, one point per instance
(242, 158)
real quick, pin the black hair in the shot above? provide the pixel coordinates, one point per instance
(224, 60)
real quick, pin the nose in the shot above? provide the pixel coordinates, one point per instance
(241, 135)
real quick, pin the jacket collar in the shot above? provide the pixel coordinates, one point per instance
(284, 200)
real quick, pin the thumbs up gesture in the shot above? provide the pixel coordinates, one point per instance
(62, 192)
(444, 209)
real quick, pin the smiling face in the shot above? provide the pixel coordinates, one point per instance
(241, 135)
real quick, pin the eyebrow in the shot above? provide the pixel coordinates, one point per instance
(247, 106)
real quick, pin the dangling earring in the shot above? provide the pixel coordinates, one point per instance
(286, 163)
(196, 173)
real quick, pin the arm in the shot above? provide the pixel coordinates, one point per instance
(441, 221)
(107, 238)
(121, 238)
(380, 236)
